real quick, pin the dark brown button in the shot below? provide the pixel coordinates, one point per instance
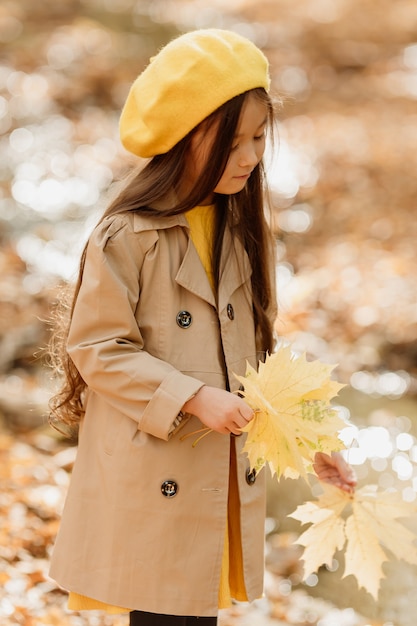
(250, 476)
(230, 312)
(169, 488)
(184, 319)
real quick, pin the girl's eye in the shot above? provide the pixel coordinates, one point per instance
(256, 138)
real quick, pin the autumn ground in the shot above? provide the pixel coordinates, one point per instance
(343, 194)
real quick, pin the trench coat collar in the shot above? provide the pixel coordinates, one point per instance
(235, 267)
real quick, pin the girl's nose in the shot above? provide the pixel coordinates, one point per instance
(248, 156)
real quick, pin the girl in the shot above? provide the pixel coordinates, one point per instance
(175, 295)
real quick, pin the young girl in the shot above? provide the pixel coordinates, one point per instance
(175, 295)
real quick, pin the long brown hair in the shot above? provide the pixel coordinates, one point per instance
(242, 212)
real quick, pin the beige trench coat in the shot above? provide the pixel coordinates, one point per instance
(144, 521)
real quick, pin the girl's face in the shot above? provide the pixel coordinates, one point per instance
(247, 149)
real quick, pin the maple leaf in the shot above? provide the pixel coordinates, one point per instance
(366, 522)
(321, 542)
(393, 535)
(326, 535)
(364, 555)
(293, 416)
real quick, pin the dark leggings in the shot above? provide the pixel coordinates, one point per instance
(140, 618)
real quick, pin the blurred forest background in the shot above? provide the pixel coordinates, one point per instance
(343, 187)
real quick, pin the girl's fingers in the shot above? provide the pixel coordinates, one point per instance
(335, 470)
(247, 415)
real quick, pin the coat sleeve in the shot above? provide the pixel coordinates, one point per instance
(105, 342)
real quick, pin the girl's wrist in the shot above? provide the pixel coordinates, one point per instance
(190, 405)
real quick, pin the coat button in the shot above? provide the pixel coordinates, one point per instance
(250, 476)
(230, 312)
(169, 488)
(184, 319)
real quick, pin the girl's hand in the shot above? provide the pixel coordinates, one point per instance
(335, 470)
(220, 410)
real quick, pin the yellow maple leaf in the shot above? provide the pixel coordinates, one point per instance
(392, 536)
(366, 522)
(294, 418)
(326, 535)
(364, 555)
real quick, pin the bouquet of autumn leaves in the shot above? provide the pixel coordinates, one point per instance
(293, 421)
(293, 417)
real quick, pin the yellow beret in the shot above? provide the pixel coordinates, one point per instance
(188, 79)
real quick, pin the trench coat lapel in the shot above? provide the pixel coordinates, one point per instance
(235, 271)
(235, 268)
(193, 276)
(235, 265)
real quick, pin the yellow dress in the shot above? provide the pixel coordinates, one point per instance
(232, 585)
